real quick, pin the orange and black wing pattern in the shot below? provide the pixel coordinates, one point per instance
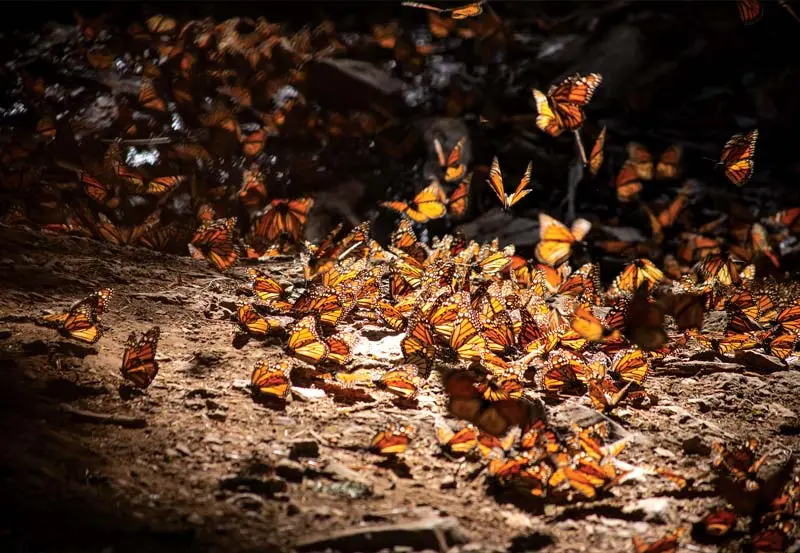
(737, 157)
(215, 242)
(139, 365)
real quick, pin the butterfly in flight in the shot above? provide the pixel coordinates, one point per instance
(496, 183)
(461, 12)
(561, 108)
(737, 157)
(556, 240)
(427, 205)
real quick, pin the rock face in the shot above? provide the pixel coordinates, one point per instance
(352, 84)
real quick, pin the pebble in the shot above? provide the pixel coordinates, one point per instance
(290, 470)
(695, 446)
(304, 448)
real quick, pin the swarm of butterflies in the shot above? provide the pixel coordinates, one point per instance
(497, 328)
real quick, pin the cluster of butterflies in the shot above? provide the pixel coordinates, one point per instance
(83, 322)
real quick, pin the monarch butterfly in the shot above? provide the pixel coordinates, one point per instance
(644, 321)
(404, 239)
(282, 216)
(82, 321)
(583, 284)
(667, 167)
(305, 342)
(402, 381)
(496, 183)
(466, 340)
(742, 463)
(214, 241)
(561, 109)
(457, 443)
(789, 318)
(630, 366)
(787, 218)
(458, 202)
(587, 325)
(160, 24)
(556, 240)
(427, 205)
(392, 440)
(324, 302)
(252, 322)
(668, 216)
(686, 309)
(139, 363)
(339, 351)
(253, 190)
(696, 246)
(597, 153)
(96, 190)
(638, 272)
(565, 373)
(749, 11)
(451, 166)
(149, 98)
(265, 287)
(461, 12)
(667, 544)
(126, 236)
(628, 183)
(737, 157)
(717, 268)
(162, 185)
(418, 345)
(589, 476)
(773, 539)
(386, 35)
(781, 345)
(271, 381)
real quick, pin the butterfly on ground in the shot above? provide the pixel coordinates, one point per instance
(561, 109)
(667, 166)
(737, 157)
(82, 321)
(214, 241)
(139, 365)
(271, 380)
(496, 184)
(427, 205)
(461, 12)
(393, 439)
(556, 240)
(667, 544)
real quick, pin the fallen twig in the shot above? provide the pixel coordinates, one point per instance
(431, 533)
(104, 418)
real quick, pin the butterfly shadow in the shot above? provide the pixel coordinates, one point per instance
(273, 403)
(397, 466)
(128, 392)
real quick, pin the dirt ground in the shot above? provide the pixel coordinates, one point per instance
(194, 463)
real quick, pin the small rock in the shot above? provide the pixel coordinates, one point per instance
(304, 448)
(249, 501)
(695, 446)
(195, 518)
(660, 451)
(307, 394)
(217, 415)
(448, 483)
(183, 449)
(290, 470)
(654, 508)
(292, 509)
(268, 487)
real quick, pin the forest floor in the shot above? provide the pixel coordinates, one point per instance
(195, 463)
